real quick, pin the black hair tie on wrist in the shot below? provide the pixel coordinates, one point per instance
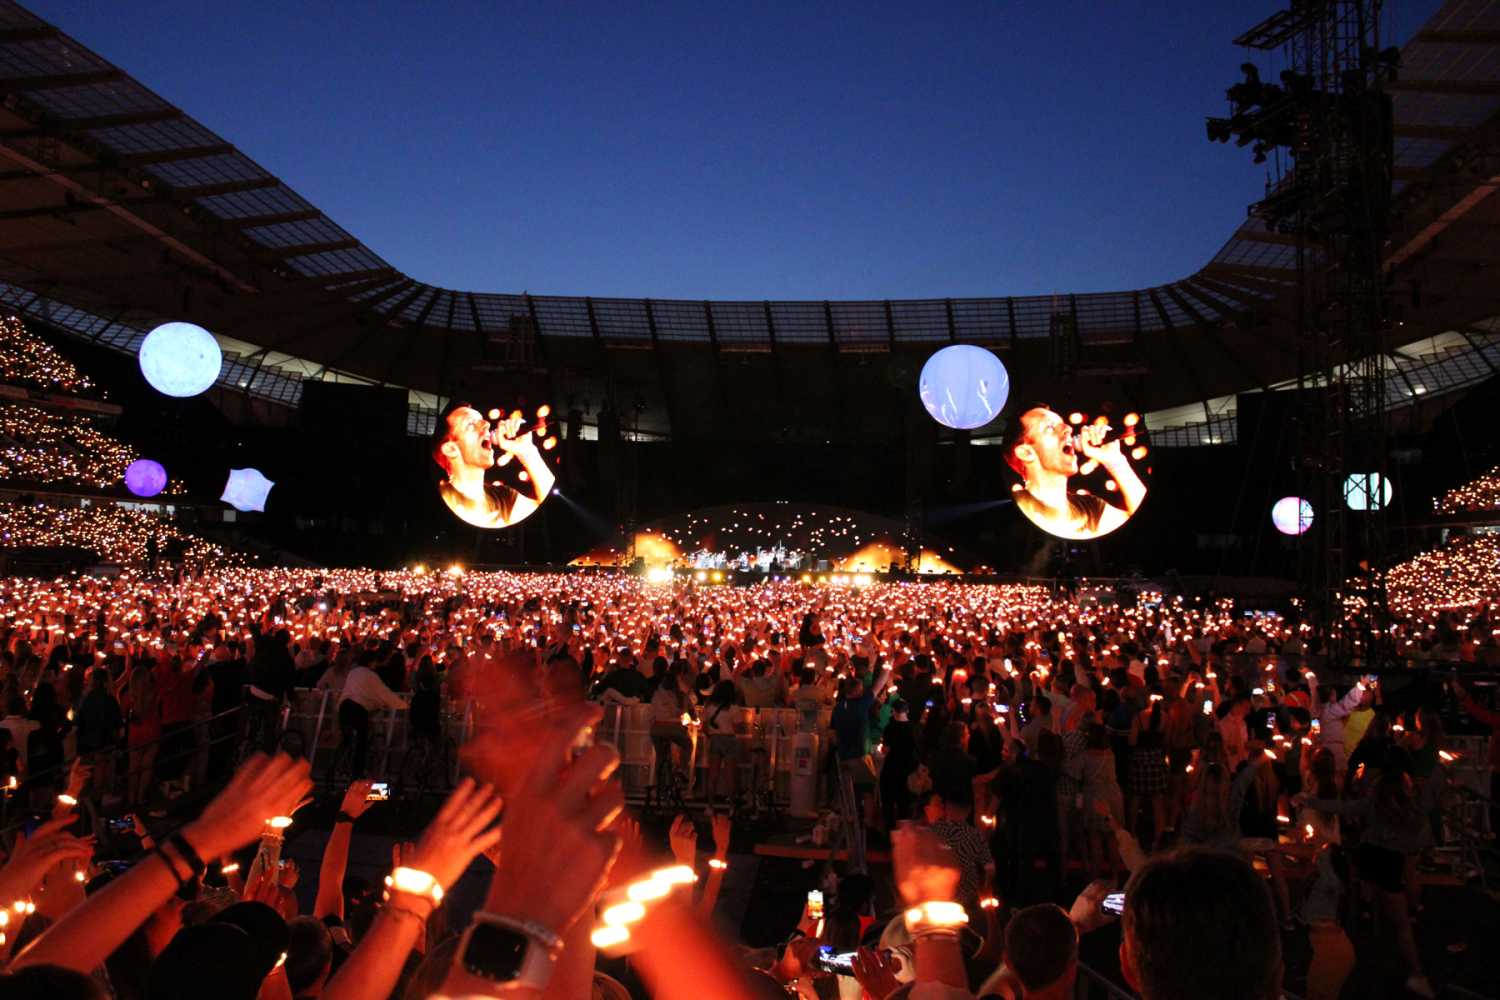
(189, 856)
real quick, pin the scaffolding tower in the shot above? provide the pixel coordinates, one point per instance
(1328, 122)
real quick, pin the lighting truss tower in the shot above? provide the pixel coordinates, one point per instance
(1327, 120)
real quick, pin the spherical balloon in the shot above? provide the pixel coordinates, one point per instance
(180, 359)
(145, 478)
(964, 386)
(1292, 515)
(1367, 491)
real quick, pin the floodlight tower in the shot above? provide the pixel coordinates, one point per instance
(1328, 122)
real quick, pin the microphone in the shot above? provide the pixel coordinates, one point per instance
(1126, 436)
(538, 427)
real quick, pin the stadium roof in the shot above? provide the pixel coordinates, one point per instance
(121, 212)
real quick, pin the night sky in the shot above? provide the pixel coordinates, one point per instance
(729, 151)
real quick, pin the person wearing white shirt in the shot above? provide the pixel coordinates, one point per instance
(1331, 713)
(364, 692)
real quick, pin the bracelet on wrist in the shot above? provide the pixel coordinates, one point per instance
(185, 849)
(415, 882)
(936, 917)
(718, 864)
(344, 817)
(174, 864)
(622, 908)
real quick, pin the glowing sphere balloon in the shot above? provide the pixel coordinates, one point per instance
(1292, 515)
(247, 489)
(964, 386)
(1368, 491)
(145, 478)
(180, 359)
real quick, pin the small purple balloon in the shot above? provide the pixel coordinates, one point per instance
(145, 478)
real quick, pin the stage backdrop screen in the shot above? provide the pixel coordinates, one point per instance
(494, 472)
(1080, 477)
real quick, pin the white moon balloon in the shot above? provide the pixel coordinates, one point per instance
(180, 359)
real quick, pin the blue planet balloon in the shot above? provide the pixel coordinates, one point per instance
(180, 359)
(1292, 515)
(145, 478)
(964, 386)
(247, 489)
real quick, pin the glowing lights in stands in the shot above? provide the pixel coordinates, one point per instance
(1479, 494)
(27, 360)
(113, 534)
(52, 449)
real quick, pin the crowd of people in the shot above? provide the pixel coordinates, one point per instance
(1006, 743)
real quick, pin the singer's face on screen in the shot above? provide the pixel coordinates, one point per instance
(468, 441)
(1047, 442)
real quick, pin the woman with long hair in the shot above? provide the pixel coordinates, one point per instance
(143, 730)
(1394, 820)
(723, 741)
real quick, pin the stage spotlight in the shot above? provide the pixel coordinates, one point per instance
(659, 574)
(180, 359)
(700, 576)
(718, 577)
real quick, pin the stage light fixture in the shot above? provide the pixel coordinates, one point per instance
(180, 359)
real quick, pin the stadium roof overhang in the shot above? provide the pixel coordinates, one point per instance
(120, 211)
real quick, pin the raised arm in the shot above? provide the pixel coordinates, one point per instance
(463, 828)
(330, 901)
(83, 938)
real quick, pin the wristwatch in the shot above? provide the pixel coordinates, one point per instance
(498, 954)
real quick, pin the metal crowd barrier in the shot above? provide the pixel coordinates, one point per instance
(765, 737)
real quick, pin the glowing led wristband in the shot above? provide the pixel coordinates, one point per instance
(936, 916)
(989, 903)
(67, 800)
(279, 822)
(415, 882)
(622, 908)
(718, 864)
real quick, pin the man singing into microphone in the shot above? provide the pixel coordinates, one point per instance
(1042, 450)
(464, 447)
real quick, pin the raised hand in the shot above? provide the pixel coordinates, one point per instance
(926, 868)
(263, 787)
(720, 824)
(557, 851)
(356, 798)
(462, 830)
(875, 970)
(684, 840)
(48, 846)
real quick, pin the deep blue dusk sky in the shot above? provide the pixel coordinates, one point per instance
(722, 150)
